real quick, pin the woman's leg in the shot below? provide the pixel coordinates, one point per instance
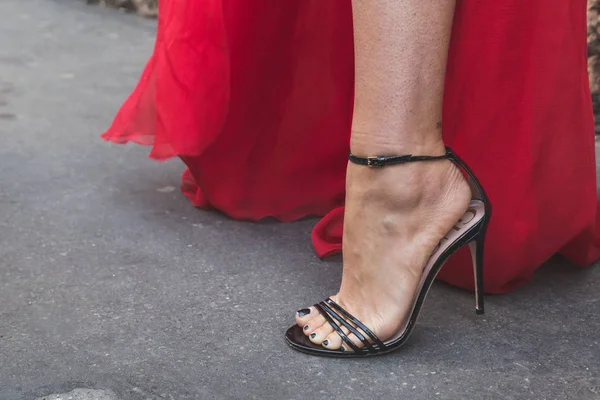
(395, 216)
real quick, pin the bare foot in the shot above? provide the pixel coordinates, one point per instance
(395, 217)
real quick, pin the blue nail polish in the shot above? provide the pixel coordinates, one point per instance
(304, 312)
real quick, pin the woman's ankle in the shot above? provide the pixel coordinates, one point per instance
(370, 144)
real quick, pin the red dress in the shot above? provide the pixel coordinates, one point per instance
(256, 97)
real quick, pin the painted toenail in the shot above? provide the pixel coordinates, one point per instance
(313, 335)
(326, 342)
(343, 348)
(306, 327)
(304, 312)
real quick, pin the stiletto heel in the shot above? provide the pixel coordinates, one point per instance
(476, 247)
(469, 230)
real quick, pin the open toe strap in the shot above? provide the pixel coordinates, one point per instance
(335, 315)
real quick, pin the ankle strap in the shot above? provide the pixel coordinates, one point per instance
(378, 162)
(382, 161)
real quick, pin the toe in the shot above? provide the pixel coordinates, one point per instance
(313, 325)
(319, 335)
(305, 315)
(353, 338)
(357, 342)
(309, 319)
(333, 341)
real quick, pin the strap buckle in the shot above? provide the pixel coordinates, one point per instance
(375, 162)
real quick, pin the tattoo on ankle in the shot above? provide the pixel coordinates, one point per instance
(438, 125)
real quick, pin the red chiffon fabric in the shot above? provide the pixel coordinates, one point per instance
(255, 96)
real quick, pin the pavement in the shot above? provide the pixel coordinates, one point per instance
(113, 287)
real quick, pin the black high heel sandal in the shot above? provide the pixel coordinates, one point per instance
(470, 229)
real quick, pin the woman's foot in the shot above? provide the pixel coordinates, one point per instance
(394, 219)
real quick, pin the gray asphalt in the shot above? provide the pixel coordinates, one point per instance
(110, 280)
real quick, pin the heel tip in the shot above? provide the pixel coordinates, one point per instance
(479, 312)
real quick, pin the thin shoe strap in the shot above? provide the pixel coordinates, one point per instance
(356, 322)
(336, 327)
(332, 313)
(382, 161)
